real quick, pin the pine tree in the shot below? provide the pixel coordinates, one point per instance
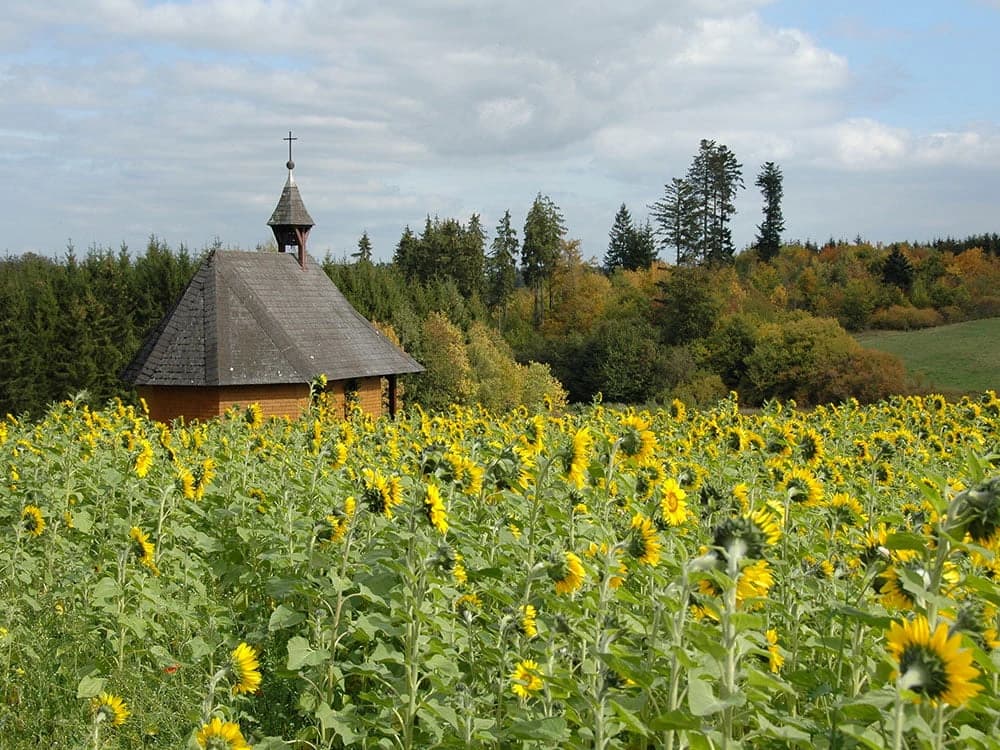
(641, 248)
(618, 241)
(543, 230)
(677, 219)
(897, 269)
(726, 177)
(364, 253)
(501, 267)
(770, 229)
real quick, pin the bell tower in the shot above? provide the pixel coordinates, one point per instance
(290, 221)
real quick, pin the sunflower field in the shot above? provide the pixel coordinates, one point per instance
(591, 578)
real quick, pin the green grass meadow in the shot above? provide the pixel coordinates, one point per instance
(952, 359)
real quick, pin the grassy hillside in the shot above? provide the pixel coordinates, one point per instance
(958, 358)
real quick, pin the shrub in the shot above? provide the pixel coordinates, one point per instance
(905, 318)
(866, 375)
(790, 359)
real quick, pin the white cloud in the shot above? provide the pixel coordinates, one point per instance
(172, 112)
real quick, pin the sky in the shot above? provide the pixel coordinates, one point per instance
(122, 119)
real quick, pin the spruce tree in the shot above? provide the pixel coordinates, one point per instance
(770, 229)
(677, 220)
(619, 239)
(364, 253)
(543, 231)
(501, 267)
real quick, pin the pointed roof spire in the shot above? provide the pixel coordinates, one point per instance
(291, 211)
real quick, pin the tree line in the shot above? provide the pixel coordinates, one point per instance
(522, 317)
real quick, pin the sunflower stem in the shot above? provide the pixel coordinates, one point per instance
(897, 724)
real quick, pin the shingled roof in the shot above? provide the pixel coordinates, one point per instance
(290, 209)
(254, 318)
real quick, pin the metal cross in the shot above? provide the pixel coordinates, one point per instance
(290, 138)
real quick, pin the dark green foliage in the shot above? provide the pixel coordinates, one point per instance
(543, 233)
(729, 345)
(693, 216)
(623, 362)
(447, 249)
(618, 240)
(629, 247)
(676, 217)
(72, 326)
(897, 269)
(364, 253)
(988, 242)
(689, 304)
(715, 176)
(501, 268)
(769, 232)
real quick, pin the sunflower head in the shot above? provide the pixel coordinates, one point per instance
(566, 572)
(978, 621)
(528, 621)
(110, 708)
(32, 520)
(977, 510)
(245, 669)
(221, 735)
(434, 509)
(642, 542)
(254, 415)
(746, 536)
(637, 440)
(526, 679)
(143, 549)
(932, 665)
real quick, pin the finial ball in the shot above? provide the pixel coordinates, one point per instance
(290, 164)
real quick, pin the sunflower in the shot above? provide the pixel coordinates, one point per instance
(468, 604)
(579, 457)
(254, 416)
(673, 507)
(221, 735)
(647, 479)
(245, 669)
(643, 544)
(978, 621)
(890, 583)
(528, 623)
(884, 474)
(810, 447)
(747, 536)
(845, 511)
(143, 549)
(526, 679)
(380, 494)
(802, 486)
(434, 509)
(678, 411)
(334, 527)
(977, 510)
(874, 545)
(534, 435)
(638, 441)
(932, 665)
(186, 483)
(754, 581)
(203, 474)
(32, 520)
(111, 708)
(567, 573)
(144, 461)
(775, 660)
